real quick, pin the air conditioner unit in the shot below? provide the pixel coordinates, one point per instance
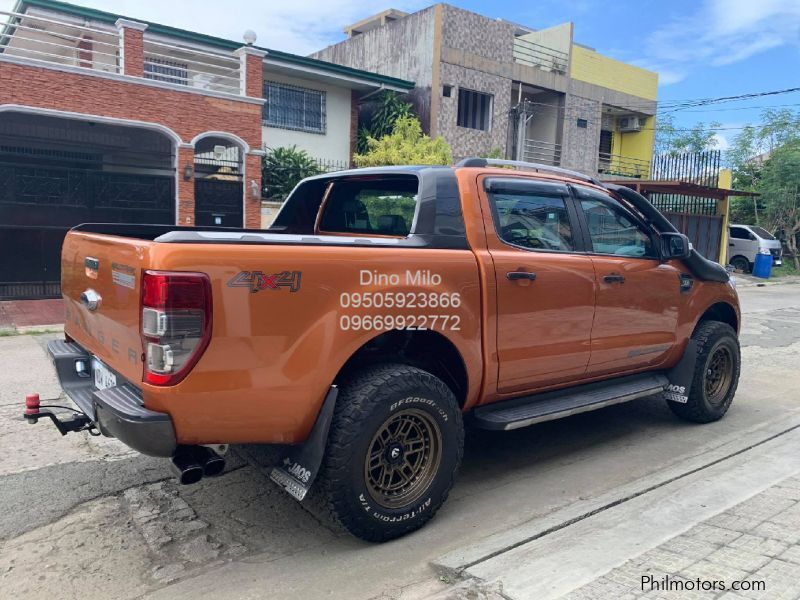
(629, 124)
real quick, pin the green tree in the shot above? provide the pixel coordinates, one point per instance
(379, 116)
(283, 168)
(671, 139)
(780, 188)
(406, 145)
(748, 154)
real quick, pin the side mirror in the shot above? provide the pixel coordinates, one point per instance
(674, 245)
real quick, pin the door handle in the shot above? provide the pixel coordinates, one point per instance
(518, 275)
(614, 278)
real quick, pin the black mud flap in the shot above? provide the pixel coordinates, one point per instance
(681, 375)
(300, 466)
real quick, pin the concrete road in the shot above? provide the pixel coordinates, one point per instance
(101, 522)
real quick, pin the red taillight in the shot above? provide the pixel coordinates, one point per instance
(175, 324)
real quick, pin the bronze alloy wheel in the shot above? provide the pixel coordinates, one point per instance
(719, 374)
(403, 458)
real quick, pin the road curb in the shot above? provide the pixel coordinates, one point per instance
(454, 564)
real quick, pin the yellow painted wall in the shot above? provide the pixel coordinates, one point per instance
(724, 181)
(587, 65)
(633, 144)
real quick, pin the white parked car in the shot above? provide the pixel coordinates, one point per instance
(745, 241)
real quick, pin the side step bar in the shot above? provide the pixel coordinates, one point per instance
(521, 412)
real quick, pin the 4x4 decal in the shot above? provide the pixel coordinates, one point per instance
(258, 280)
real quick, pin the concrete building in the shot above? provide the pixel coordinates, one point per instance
(488, 85)
(104, 118)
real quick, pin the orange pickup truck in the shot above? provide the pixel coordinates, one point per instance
(384, 309)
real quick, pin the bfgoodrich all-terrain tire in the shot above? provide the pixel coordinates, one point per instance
(394, 448)
(716, 374)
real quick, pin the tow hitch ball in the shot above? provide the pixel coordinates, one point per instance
(78, 421)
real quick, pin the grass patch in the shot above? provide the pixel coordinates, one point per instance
(13, 332)
(786, 269)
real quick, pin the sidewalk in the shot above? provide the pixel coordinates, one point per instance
(726, 515)
(22, 316)
(755, 545)
(746, 280)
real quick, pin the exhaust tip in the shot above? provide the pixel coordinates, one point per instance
(186, 467)
(191, 475)
(213, 464)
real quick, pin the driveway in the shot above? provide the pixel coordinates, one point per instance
(96, 520)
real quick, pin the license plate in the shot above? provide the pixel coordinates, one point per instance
(103, 377)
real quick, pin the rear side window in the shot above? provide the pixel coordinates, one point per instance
(532, 221)
(383, 206)
(762, 233)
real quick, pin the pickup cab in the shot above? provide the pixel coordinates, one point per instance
(383, 309)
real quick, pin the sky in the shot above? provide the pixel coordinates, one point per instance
(700, 48)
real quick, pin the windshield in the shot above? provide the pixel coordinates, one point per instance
(762, 233)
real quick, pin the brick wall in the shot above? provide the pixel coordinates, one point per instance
(187, 114)
(133, 52)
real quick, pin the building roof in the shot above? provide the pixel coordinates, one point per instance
(684, 188)
(274, 56)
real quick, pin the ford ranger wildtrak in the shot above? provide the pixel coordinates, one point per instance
(383, 309)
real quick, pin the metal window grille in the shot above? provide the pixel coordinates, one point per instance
(292, 107)
(166, 70)
(474, 110)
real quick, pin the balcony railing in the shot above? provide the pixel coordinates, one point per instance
(536, 55)
(616, 165)
(180, 65)
(539, 151)
(59, 42)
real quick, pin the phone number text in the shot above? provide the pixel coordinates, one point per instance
(399, 300)
(387, 322)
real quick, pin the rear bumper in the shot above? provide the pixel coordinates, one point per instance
(117, 411)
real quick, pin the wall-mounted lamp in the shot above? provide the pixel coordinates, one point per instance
(255, 192)
(188, 171)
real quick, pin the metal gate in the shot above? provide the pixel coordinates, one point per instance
(39, 203)
(704, 231)
(218, 203)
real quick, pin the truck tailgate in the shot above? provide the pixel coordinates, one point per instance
(109, 269)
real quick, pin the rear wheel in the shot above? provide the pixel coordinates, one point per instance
(395, 445)
(716, 374)
(740, 263)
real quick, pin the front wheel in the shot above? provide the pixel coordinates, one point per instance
(394, 448)
(740, 263)
(716, 374)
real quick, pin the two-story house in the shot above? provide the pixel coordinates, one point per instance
(105, 118)
(489, 85)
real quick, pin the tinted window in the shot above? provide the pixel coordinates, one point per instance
(739, 233)
(762, 233)
(612, 231)
(532, 221)
(371, 206)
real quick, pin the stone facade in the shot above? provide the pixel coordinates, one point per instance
(580, 144)
(476, 34)
(474, 142)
